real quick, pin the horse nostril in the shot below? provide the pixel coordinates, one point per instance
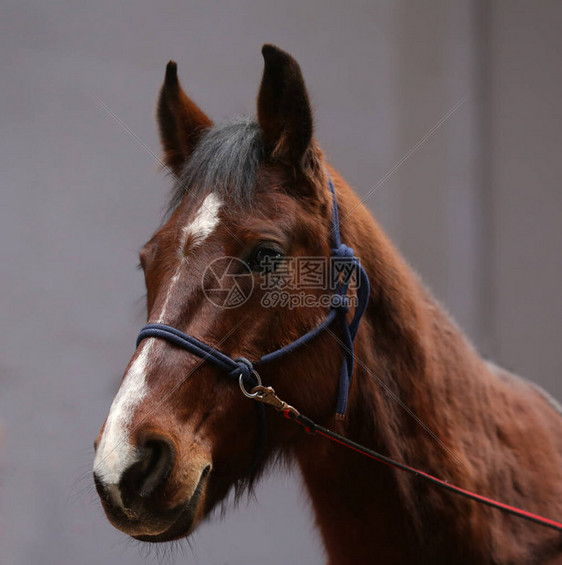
(159, 463)
(150, 471)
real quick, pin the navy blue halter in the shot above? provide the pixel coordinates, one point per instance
(241, 367)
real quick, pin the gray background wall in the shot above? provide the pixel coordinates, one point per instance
(450, 109)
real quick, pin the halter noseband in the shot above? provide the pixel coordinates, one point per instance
(244, 370)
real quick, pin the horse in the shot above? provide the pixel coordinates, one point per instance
(180, 435)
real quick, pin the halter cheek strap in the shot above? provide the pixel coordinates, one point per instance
(340, 303)
(241, 368)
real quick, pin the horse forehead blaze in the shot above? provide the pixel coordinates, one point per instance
(116, 452)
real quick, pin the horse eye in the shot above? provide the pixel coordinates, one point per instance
(265, 257)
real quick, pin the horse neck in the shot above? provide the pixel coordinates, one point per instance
(405, 352)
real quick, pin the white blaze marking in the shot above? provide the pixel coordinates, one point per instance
(171, 288)
(205, 220)
(200, 228)
(115, 453)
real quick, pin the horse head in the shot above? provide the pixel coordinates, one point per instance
(249, 192)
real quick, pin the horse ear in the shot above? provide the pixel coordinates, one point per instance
(180, 120)
(284, 113)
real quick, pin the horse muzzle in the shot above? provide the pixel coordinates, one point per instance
(156, 497)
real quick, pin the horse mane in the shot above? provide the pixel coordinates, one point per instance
(227, 160)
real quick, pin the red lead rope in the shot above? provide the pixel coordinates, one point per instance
(310, 427)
